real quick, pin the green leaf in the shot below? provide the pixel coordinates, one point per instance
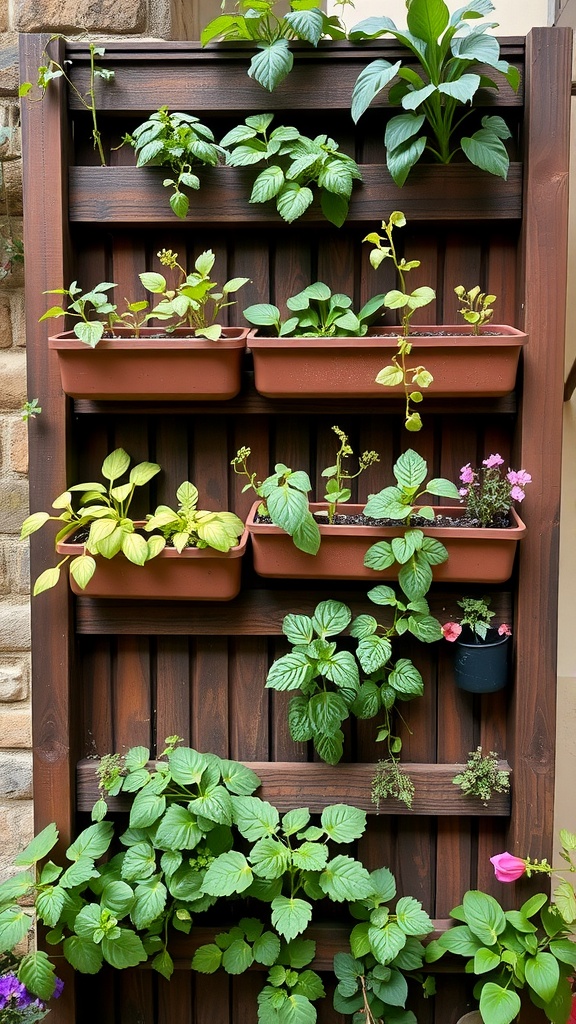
(150, 900)
(270, 858)
(565, 900)
(207, 959)
(401, 160)
(238, 957)
(298, 629)
(126, 950)
(543, 974)
(92, 842)
(335, 209)
(306, 536)
(118, 897)
(80, 871)
(306, 24)
(412, 919)
(14, 924)
(326, 711)
(406, 679)
(460, 940)
(164, 964)
(487, 151)
(89, 332)
(267, 185)
(83, 954)
(386, 942)
(287, 507)
(229, 873)
(36, 972)
(271, 64)
(310, 856)
(115, 464)
(38, 848)
(293, 200)
(373, 652)
(255, 818)
(139, 862)
(238, 778)
(331, 618)
(291, 672)
(179, 204)
(485, 960)
(266, 949)
(343, 823)
(146, 809)
(290, 916)
(301, 729)
(345, 879)
(484, 915)
(371, 80)
(330, 746)
(499, 1005)
(187, 766)
(46, 580)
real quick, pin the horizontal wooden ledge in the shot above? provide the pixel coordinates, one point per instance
(289, 784)
(132, 195)
(255, 612)
(249, 402)
(330, 938)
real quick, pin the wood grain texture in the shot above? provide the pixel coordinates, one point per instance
(318, 785)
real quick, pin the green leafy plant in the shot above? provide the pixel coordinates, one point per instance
(336, 476)
(476, 615)
(284, 499)
(329, 679)
(180, 142)
(193, 301)
(30, 409)
(104, 513)
(476, 307)
(482, 776)
(190, 526)
(412, 378)
(317, 313)
(294, 165)
(434, 96)
(271, 32)
(512, 950)
(52, 70)
(93, 310)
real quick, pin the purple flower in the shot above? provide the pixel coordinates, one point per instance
(11, 988)
(519, 476)
(517, 494)
(463, 492)
(58, 988)
(467, 474)
(493, 460)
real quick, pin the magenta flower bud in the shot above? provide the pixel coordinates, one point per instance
(493, 460)
(508, 868)
(504, 630)
(467, 474)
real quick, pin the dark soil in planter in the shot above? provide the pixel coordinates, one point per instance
(502, 522)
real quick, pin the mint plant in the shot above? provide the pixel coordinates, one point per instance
(412, 378)
(104, 512)
(294, 165)
(284, 499)
(189, 526)
(180, 142)
(447, 51)
(476, 307)
(271, 30)
(317, 313)
(192, 302)
(52, 70)
(415, 552)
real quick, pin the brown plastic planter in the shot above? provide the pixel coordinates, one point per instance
(474, 555)
(194, 575)
(460, 363)
(138, 369)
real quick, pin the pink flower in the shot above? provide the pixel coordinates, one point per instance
(463, 492)
(493, 460)
(519, 476)
(517, 494)
(505, 629)
(451, 631)
(508, 868)
(467, 474)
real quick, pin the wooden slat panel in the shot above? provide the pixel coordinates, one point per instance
(135, 195)
(318, 785)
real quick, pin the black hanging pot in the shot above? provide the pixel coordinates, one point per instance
(481, 666)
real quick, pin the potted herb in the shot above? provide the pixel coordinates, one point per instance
(328, 541)
(193, 555)
(460, 360)
(294, 166)
(188, 355)
(479, 550)
(482, 651)
(434, 90)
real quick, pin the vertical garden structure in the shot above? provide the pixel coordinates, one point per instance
(111, 674)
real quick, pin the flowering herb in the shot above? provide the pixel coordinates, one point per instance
(20, 1005)
(488, 494)
(482, 777)
(477, 617)
(336, 491)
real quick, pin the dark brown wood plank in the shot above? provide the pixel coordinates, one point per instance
(544, 246)
(130, 195)
(288, 784)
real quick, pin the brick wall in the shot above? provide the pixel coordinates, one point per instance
(143, 18)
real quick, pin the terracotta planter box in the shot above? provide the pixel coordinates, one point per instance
(460, 363)
(146, 368)
(474, 555)
(194, 575)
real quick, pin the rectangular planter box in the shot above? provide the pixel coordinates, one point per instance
(146, 368)
(193, 575)
(474, 555)
(461, 364)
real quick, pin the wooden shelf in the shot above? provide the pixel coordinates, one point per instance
(289, 784)
(132, 195)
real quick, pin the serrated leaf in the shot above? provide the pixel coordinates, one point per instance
(270, 65)
(343, 823)
(345, 879)
(290, 916)
(229, 873)
(83, 954)
(38, 848)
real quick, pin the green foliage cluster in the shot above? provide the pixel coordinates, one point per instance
(294, 165)
(197, 834)
(434, 96)
(476, 307)
(191, 527)
(317, 313)
(482, 776)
